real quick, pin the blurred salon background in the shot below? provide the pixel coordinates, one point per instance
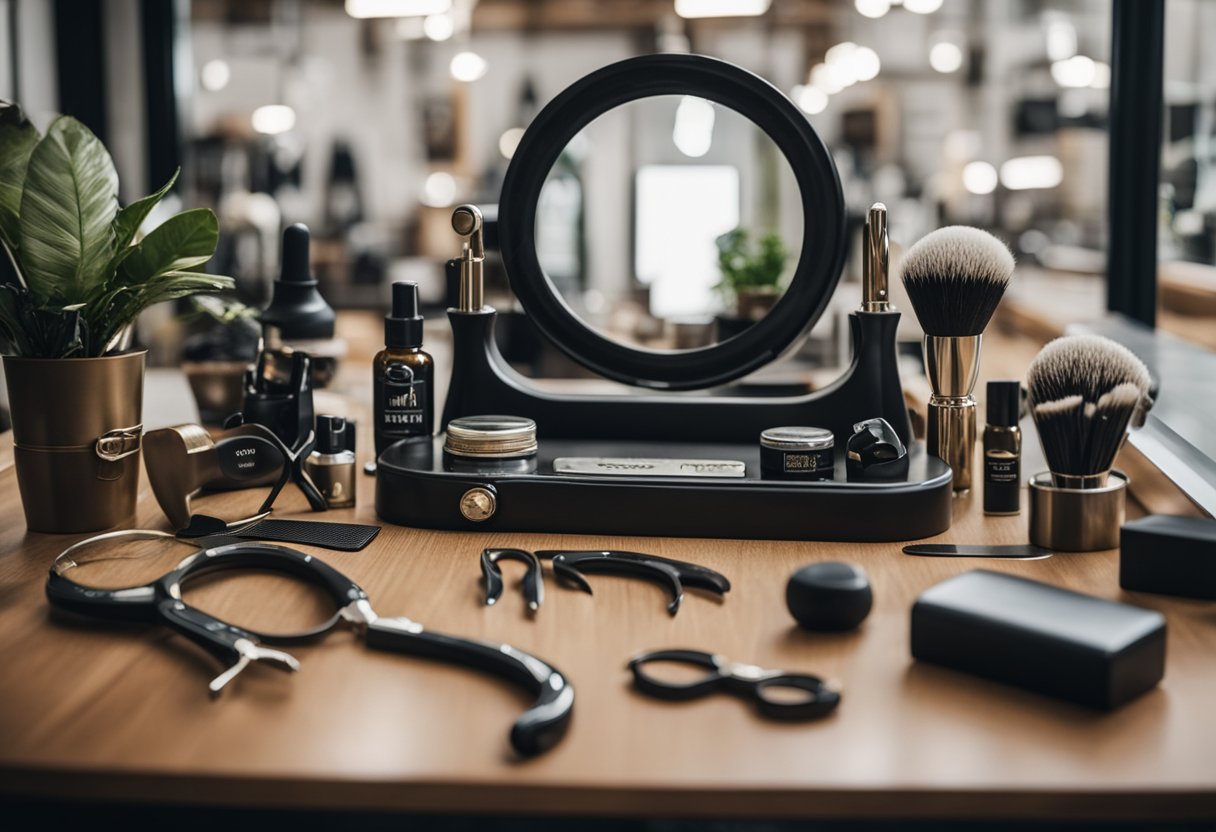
(668, 223)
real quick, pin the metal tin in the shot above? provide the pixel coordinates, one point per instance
(798, 452)
(491, 437)
(1077, 519)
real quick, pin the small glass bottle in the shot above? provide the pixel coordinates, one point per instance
(331, 465)
(1003, 449)
(403, 376)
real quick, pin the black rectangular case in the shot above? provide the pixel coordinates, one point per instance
(1170, 556)
(1043, 638)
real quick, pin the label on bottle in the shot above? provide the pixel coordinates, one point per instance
(401, 405)
(1002, 482)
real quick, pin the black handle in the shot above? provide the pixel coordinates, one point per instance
(216, 637)
(538, 728)
(675, 691)
(137, 603)
(274, 558)
(820, 698)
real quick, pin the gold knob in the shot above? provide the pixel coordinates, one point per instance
(478, 504)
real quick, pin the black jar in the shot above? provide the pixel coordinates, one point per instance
(797, 453)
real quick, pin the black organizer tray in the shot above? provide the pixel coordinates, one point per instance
(414, 487)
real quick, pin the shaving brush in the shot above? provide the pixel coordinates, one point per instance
(1086, 390)
(955, 278)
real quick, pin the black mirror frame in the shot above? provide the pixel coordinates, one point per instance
(824, 240)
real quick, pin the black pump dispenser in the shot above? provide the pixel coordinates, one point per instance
(403, 327)
(331, 435)
(297, 309)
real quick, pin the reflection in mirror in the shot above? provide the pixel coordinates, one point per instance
(670, 222)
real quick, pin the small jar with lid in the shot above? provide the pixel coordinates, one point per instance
(797, 453)
(490, 444)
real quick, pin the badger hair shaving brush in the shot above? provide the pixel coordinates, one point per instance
(955, 277)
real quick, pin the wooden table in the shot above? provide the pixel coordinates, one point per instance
(97, 712)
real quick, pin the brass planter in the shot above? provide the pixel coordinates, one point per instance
(76, 437)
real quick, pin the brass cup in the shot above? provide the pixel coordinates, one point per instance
(76, 436)
(1077, 519)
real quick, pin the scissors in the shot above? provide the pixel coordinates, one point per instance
(569, 566)
(775, 693)
(160, 602)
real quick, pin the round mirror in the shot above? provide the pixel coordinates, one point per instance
(653, 257)
(669, 223)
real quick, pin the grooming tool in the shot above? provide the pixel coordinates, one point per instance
(829, 596)
(875, 296)
(342, 537)
(237, 648)
(182, 460)
(467, 222)
(1169, 556)
(568, 566)
(951, 550)
(777, 694)
(403, 375)
(331, 465)
(1044, 638)
(1086, 391)
(297, 318)
(641, 467)
(798, 452)
(491, 437)
(1003, 449)
(955, 278)
(875, 452)
(533, 583)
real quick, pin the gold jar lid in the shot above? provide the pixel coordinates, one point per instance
(491, 437)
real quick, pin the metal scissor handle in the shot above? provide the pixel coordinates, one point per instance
(776, 693)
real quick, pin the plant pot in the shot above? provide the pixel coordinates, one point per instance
(218, 387)
(76, 438)
(754, 304)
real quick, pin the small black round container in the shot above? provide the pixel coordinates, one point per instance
(829, 596)
(797, 453)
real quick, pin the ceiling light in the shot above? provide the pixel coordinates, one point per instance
(872, 8)
(439, 190)
(811, 100)
(439, 27)
(945, 57)
(865, 63)
(826, 80)
(979, 178)
(1028, 172)
(509, 140)
(1077, 71)
(215, 75)
(468, 66)
(1061, 39)
(721, 8)
(396, 8)
(273, 119)
(693, 133)
(922, 6)
(1101, 76)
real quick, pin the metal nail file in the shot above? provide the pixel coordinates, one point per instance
(640, 467)
(951, 550)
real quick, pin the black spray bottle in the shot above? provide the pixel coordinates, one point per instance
(403, 376)
(1003, 449)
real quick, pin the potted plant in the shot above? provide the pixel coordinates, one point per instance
(80, 276)
(751, 278)
(215, 358)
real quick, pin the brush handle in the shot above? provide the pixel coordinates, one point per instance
(952, 364)
(951, 435)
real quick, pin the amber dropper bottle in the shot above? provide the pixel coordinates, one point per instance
(1003, 449)
(403, 376)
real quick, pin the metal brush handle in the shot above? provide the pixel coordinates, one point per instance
(875, 296)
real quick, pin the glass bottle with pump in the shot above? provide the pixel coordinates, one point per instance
(1003, 449)
(403, 376)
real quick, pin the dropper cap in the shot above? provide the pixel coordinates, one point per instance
(1004, 403)
(296, 308)
(403, 327)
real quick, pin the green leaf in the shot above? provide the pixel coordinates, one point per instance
(129, 219)
(17, 140)
(179, 243)
(126, 302)
(67, 208)
(35, 332)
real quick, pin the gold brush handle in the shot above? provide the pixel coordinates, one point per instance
(951, 435)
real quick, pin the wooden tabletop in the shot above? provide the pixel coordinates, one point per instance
(95, 711)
